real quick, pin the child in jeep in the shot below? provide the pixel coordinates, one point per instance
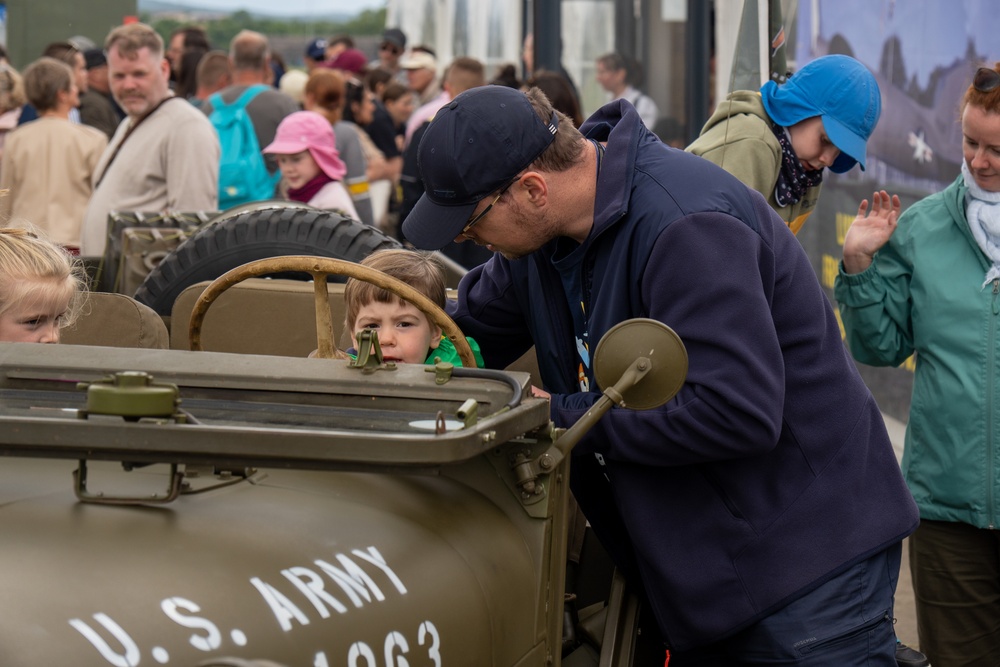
(404, 333)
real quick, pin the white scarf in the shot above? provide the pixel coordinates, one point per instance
(983, 213)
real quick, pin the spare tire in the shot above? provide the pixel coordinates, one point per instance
(253, 235)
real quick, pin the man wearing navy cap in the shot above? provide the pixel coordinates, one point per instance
(761, 510)
(315, 54)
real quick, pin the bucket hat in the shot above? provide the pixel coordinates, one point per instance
(307, 130)
(475, 145)
(838, 89)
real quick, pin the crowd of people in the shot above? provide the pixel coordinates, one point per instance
(761, 524)
(376, 107)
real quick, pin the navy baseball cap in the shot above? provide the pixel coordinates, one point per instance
(842, 92)
(475, 145)
(316, 49)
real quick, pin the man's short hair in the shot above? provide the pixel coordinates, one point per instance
(565, 149)
(213, 66)
(465, 73)
(64, 51)
(249, 50)
(44, 79)
(131, 38)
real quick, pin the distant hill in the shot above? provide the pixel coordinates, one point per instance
(155, 7)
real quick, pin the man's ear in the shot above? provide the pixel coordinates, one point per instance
(534, 184)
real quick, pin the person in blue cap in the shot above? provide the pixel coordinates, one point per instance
(315, 53)
(779, 140)
(761, 511)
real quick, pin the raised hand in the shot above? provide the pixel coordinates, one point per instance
(870, 231)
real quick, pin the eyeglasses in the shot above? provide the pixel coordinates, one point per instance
(486, 210)
(986, 79)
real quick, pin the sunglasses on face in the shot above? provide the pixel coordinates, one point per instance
(391, 48)
(986, 79)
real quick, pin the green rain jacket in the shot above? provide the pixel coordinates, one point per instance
(446, 352)
(924, 294)
(739, 139)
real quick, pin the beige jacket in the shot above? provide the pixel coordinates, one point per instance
(46, 170)
(170, 163)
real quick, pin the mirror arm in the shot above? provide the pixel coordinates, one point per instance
(529, 471)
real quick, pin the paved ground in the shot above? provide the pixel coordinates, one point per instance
(906, 620)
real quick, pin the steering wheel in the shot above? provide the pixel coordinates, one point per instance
(319, 268)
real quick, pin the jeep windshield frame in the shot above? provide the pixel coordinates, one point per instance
(260, 411)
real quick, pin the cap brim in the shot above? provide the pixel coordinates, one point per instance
(430, 226)
(852, 147)
(285, 147)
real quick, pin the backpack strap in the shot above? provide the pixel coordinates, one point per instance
(240, 102)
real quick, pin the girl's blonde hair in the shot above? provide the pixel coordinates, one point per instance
(419, 270)
(12, 93)
(32, 267)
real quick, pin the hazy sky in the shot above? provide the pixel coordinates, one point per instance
(289, 6)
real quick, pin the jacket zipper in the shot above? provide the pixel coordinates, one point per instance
(989, 403)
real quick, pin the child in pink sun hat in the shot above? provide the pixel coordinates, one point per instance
(305, 147)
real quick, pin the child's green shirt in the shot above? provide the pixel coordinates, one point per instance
(446, 352)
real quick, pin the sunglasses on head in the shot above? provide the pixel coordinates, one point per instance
(986, 79)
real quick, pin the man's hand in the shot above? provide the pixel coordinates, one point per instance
(868, 233)
(539, 393)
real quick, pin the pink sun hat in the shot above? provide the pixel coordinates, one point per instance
(307, 130)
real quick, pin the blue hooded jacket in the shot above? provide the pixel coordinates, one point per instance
(771, 471)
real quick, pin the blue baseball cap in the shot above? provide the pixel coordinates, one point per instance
(475, 145)
(316, 49)
(838, 89)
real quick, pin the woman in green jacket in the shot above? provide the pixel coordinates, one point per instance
(931, 287)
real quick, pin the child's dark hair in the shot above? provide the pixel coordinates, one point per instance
(31, 266)
(420, 270)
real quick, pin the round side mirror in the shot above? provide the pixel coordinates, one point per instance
(640, 337)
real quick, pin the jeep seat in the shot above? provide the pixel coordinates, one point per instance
(258, 316)
(116, 320)
(275, 317)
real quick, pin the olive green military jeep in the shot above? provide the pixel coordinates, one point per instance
(174, 507)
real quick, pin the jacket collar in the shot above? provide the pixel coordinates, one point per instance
(618, 124)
